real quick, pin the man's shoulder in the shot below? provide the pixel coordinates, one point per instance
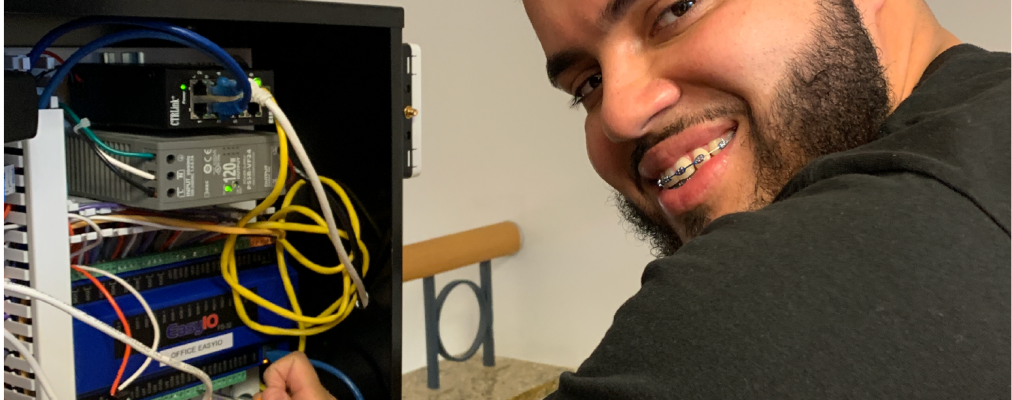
(802, 298)
(890, 218)
(954, 128)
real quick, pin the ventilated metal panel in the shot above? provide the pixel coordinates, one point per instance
(19, 379)
(36, 256)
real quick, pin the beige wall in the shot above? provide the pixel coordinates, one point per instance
(500, 144)
(984, 23)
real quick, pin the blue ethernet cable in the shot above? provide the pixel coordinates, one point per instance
(274, 355)
(91, 47)
(104, 41)
(51, 36)
(194, 41)
(188, 37)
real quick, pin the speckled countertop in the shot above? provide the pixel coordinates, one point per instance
(509, 379)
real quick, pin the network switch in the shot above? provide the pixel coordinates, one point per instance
(172, 97)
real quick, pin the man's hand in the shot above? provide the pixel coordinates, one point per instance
(293, 378)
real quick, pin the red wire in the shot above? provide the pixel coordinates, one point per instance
(54, 56)
(172, 239)
(119, 248)
(291, 172)
(122, 318)
(60, 60)
(214, 238)
(7, 210)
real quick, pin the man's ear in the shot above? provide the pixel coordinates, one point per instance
(869, 8)
(871, 17)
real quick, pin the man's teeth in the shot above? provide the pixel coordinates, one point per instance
(716, 145)
(676, 176)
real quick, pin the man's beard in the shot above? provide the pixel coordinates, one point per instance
(834, 98)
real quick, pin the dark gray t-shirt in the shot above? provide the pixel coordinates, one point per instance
(882, 272)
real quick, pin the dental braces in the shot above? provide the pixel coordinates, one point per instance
(681, 171)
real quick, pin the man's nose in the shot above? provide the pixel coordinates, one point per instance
(635, 96)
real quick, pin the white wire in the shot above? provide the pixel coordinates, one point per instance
(115, 334)
(98, 232)
(130, 245)
(40, 375)
(147, 310)
(142, 223)
(125, 167)
(8, 227)
(265, 99)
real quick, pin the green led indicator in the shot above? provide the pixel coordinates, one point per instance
(258, 82)
(228, 188)
(183, 86)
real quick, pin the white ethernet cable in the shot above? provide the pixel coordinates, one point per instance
(147, 310)
(112, 332)
(40, 375)
(265, 99)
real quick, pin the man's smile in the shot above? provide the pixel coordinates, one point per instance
(679, 169)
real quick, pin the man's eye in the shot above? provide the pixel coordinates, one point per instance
(673, 13)
(586, 88)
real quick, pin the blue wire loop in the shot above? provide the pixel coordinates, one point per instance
(169, 32)
(274, 355)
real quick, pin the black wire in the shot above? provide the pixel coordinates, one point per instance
(354, 199)
(343, 221)
(122, 175)
(358, 203)
(42, 74)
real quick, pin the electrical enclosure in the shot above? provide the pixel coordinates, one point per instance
(340, 75)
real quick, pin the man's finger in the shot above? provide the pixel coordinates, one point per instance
(293, 378)
(273, 393)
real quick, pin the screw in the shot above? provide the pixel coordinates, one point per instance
(410, 112)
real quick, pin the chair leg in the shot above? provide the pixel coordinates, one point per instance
(488, 347)
(431, 331)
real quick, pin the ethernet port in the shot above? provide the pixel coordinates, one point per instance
(199, 88)
(199, 111)
(253, 109)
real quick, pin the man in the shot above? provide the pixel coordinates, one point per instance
(827, 183)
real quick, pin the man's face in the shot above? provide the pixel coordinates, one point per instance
(698, 109)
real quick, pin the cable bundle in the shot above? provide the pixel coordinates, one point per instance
(278, 227)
